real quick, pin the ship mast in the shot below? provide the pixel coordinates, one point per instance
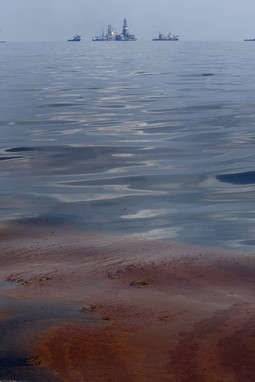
(125, 28)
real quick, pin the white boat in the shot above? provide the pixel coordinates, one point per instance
(166, 37)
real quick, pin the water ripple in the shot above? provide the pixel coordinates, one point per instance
(140, 139)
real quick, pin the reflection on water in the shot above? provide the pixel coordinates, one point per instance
(148, 140)
(240, 178)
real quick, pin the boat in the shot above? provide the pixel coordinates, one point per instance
(125, 35)
(109, 36)
(249, 39)
(166, 37)
(76, 37)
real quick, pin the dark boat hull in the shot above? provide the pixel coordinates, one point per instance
(166, 39)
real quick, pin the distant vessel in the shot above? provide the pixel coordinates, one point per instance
(249, 39)
(76, 37)
(166, 37)
(125, 35)
(109, 36)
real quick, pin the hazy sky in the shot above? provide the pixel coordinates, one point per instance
(57, 20)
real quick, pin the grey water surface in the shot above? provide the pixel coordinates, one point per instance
(140, 138)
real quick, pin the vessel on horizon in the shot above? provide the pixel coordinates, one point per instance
(76, 37)
(125, 35)
(166, 37)
(249, 39)
(109, 36)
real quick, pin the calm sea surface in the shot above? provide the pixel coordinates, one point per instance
(147, 138)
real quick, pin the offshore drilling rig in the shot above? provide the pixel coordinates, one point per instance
(125, 35)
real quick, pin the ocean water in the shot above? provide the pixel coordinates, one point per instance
(139, 138)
